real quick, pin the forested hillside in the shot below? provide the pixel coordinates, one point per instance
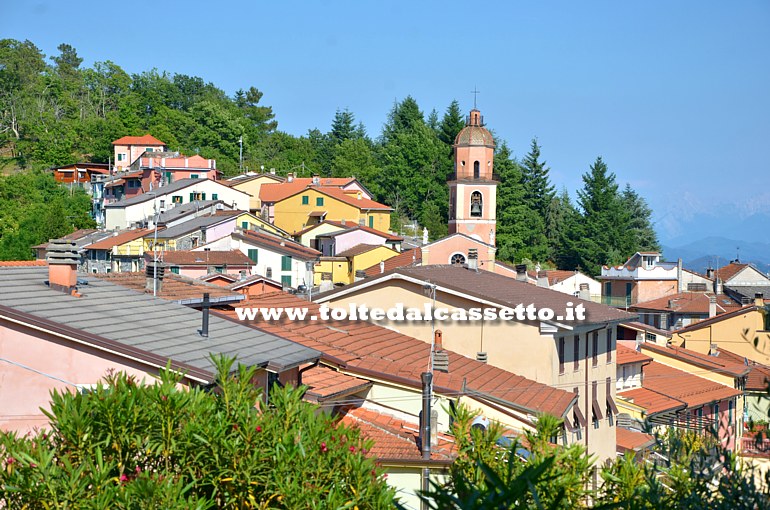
(53, 111)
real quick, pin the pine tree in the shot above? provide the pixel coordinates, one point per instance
(512, 212)
(451, 124)
(563, 227)
(642, 232)
(343, 127)
(538, 191)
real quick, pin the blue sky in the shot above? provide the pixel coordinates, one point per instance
(673, 95)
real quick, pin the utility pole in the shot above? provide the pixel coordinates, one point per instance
(240, 156)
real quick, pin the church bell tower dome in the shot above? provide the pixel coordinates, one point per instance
(474, 133)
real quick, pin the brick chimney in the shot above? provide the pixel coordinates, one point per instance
(759, 299)
(440, 356)
(63, 259)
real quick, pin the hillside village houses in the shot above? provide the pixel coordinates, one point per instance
(661, 346)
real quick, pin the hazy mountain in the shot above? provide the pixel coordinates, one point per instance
(717, 251)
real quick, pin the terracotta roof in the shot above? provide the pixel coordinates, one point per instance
(275, 192)
(351, 227)
(558, 275)
(280, 244)
(175, 287)
(632, 440)
(316, 225)
(713, 363)
(117, 240)
(491, 287)
(352, 199)
(640, 326)
(406, 258)
(728, 271)
(325, 383)
(147, 139)
(627, 356)
(688, 302)
(240, 179)
(724, 316)
(251, 280)
(652, 401)
(219, 276)
(359, 249)
(759, 374)
(688, 388)
(395, 439)
(367, 348)
(22, 263)
(203, 258)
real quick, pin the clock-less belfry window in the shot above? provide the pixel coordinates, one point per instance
(476, 204)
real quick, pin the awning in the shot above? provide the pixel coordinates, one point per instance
(579, 414)
(317, 214)
(597, 410)
(611, 404)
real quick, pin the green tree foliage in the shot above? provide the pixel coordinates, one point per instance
(35, 208)
(131, 445)
(640, 227)
(513, 214)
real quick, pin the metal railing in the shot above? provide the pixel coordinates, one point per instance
(495, 177)
(617, 301)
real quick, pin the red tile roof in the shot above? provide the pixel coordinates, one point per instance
(352, 199)
(117, 240)
(358, 250)
(394, 439)
(367, 348)
(688, 388)
(175, 287)
(759, 374)
(22, 263)
(640, 326)
(713, 363)
(724, 316)
(253, 280)
(652, 401)
(203, 258)
(275, 192)
(626, 356)
(688, 302)
(728, 271)
(326, 383)
(406, 258)
(632, 440)
(277, 243)
(147, 139)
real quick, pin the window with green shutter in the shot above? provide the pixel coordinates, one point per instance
(175, 270)
(371, 221)
(305, 200)
(193, 176)
(286, 263)
(286, 281)
(245, 225)
(254, 255)
(319, 201)
(214, 196)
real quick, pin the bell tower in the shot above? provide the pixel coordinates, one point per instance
(473, 186)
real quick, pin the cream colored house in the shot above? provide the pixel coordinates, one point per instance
(251, 183)
(569, 354)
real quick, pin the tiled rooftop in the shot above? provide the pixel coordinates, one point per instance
(174, 288)
(626, 356)
(632, 440)
(325, 383)
(406, 258)
(688, 388)
(652, 401)
(705, 361)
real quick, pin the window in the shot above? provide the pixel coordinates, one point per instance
(319, 201)
(286, 263)
(476, 204)
(286, 280)
(623, 381)
(245, 225)
(730, 408)
(610, 334)
(120, 157)
(169, 178)
(476, 171)
(371, 221)
(214, 196)
(175, 270)
(715, 415)
(561, 355)
(219, 269)
(193, 176)
(699, 414)
(305, 200)
(176, 199)
(254, 255)
(595, 348)
(649, 337)
(576, 351)
(268, 272)
(607, 288)
(148, 149)
(197, 196)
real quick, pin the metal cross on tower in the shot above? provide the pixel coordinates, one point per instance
(475, 94)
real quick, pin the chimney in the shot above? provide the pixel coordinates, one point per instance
(382, 266)
(473, 259)
(316, 179)
(360, 275)
(154, 272)
(63, 259)
(585, 292)
(542, 279)
(521, 272)
(359, 195)
(272, 171)
(710, 273)
(440, 356)
(204, 331)
(759, 299)
(290, 177)
(679, 276)
(481, 356)
(425, 415)
(712, 306)
(718, 285)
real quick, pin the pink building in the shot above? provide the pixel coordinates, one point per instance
(58, 333)
(197, 264)
(129, 148)
(173, 166)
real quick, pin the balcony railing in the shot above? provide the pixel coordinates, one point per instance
(495, 177)
(617, 301)
(755, 446)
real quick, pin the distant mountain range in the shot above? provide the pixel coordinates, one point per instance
(716, 251)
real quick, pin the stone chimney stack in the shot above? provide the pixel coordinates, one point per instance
(759, 299)
(440, 356)
(63, 259)
(712, 306)
(473, 259)
(521, 272)
(542, 279)
(154, 273)
(585, 292)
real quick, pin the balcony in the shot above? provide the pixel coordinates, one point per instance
(482, 178)
(754, 446)
(617, 301)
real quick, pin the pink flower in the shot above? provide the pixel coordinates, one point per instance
(259, 429)
(138, 470)
(123, 478)
(10, 460)
(163, 398)
(352, 448)
(32, 465)
(324, 449)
